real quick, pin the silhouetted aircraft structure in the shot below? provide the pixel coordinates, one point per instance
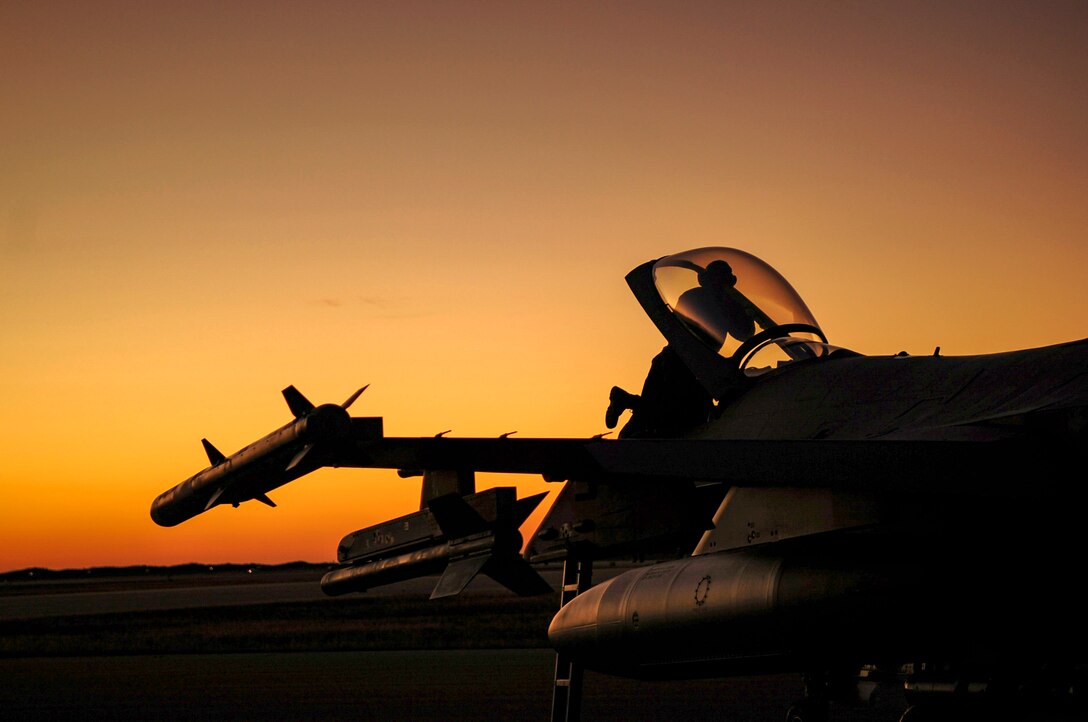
(865, 521)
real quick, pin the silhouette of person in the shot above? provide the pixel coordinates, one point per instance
(672, 399)
(715, 309)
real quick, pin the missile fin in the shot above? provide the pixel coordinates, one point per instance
(214, 455)
(457, 576)
(518, 576)
(525, 507)
(299, 404)
(351, 399)
(455, 517)
(263, 498)
(299, 457)
(215, 498)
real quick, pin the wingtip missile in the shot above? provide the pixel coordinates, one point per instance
(291, 451)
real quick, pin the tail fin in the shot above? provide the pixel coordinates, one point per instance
(517, 575)
(299, 404)
(457, 520)
(514, 573)
(457, 576)
(214, 455)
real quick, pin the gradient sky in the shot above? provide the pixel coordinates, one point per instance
(203, 202)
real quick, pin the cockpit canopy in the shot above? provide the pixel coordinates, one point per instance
(739, 307)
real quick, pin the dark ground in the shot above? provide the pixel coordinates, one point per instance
(269, 645)
(395, 685)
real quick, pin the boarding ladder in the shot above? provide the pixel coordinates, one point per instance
(567, 692)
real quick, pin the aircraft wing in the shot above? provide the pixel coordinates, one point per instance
(967, 462)
(557, 459)
(901, 466)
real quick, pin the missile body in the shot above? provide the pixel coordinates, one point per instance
(465, 557)
(457, 536)
(266, 464)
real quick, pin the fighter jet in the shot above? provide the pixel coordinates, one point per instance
(906, 523)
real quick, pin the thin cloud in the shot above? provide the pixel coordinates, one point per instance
(373, 306)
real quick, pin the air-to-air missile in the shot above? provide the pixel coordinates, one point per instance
(289, 452)
(459, 536)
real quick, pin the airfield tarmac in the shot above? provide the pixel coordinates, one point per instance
(394, 685)
(85, 667)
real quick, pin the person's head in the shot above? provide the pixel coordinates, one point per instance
(718, 274)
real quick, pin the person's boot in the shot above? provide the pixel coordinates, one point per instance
(618, 402)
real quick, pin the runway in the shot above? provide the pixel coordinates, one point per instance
(20, 600)
(142, 600)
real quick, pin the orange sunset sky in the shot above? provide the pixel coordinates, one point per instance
(203, 202)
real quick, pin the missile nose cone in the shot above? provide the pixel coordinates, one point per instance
(155, 513)
(160, 511)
